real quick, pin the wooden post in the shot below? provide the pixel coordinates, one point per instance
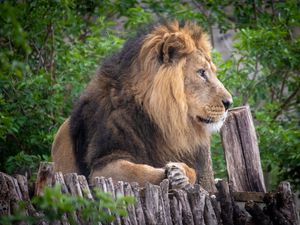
(187, 215)
(286, 201)
(138, 203)
(45, 177)
(197, 202)
(225, 202)
(206, 170)
(10, 194)
(241, 151)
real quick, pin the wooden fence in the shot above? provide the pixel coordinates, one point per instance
(244, 201)
(158, 204)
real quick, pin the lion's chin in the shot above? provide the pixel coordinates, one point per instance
(210, 125)
(215, 127)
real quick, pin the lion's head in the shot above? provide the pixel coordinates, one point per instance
(177, 86)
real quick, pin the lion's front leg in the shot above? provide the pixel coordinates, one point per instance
(179, 174)
(123, 170)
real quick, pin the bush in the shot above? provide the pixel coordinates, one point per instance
(53, 205)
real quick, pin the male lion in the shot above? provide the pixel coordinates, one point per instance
(149, 111)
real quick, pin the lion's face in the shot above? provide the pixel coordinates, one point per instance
(176, 85)
(207, 98)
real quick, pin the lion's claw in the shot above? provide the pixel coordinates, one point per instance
(176, 176)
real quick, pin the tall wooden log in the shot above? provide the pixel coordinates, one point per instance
(176, 211)
(130, 207)
(187, 216)
(110, 187)
(206, 173)
(100, 182)
(197, 202)
(23, 184)
(120, 191)
(164, 186)
(258, 216)
(241, 151)
(10, 194)
(138, 204)
(5, 208)
(44, 177)
(72, 183)
(152, 203)
(209, 213)
(59, 180)
(240, 217)
(216, 208)
(286, 201)
(225, 202)
(85, 187)
(280, 207)
(15, 192)
(162, 211)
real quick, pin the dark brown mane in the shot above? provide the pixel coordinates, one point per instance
(136, 104)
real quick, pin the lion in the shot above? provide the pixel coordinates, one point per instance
(149, 111)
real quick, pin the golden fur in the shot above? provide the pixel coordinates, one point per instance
(166, 80)
(62, 153)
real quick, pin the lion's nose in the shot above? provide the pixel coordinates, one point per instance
(227, 103)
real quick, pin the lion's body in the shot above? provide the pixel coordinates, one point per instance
(62, 151)
(137, 113)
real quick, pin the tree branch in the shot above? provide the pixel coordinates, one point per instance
(287, 101)
(283, 85)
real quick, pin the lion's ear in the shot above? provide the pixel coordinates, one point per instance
(173, 48)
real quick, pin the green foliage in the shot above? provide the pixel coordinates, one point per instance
(53, 204)
(49, 50)
(264, 73)
(23, 163)
(43, 68)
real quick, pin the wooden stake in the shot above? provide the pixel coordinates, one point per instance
(45, 177)
(241, 151)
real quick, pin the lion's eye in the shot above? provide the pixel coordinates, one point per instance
(202, 74)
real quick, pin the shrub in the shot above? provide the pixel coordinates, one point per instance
(53, 205)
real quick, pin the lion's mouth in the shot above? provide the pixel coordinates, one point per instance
(204, 120)
(212, 124)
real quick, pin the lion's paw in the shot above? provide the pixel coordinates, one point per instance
(176, 175)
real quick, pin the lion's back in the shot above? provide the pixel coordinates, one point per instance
(107, 124)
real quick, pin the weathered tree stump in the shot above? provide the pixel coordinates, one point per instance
(225, 202)
(138, 204)
(209, 213)
(10, 195)
(197, 202)
(131, 208)
(44, 178)
(23, 184)
(258, 216)
(187, 216)
(241, 151)
(164, 186)
(206, 170)
(286, 199)
(176, 211)
(280, 206)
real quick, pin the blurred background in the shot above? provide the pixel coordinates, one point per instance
(49, 50)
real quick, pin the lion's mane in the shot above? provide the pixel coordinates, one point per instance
(135, 107)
